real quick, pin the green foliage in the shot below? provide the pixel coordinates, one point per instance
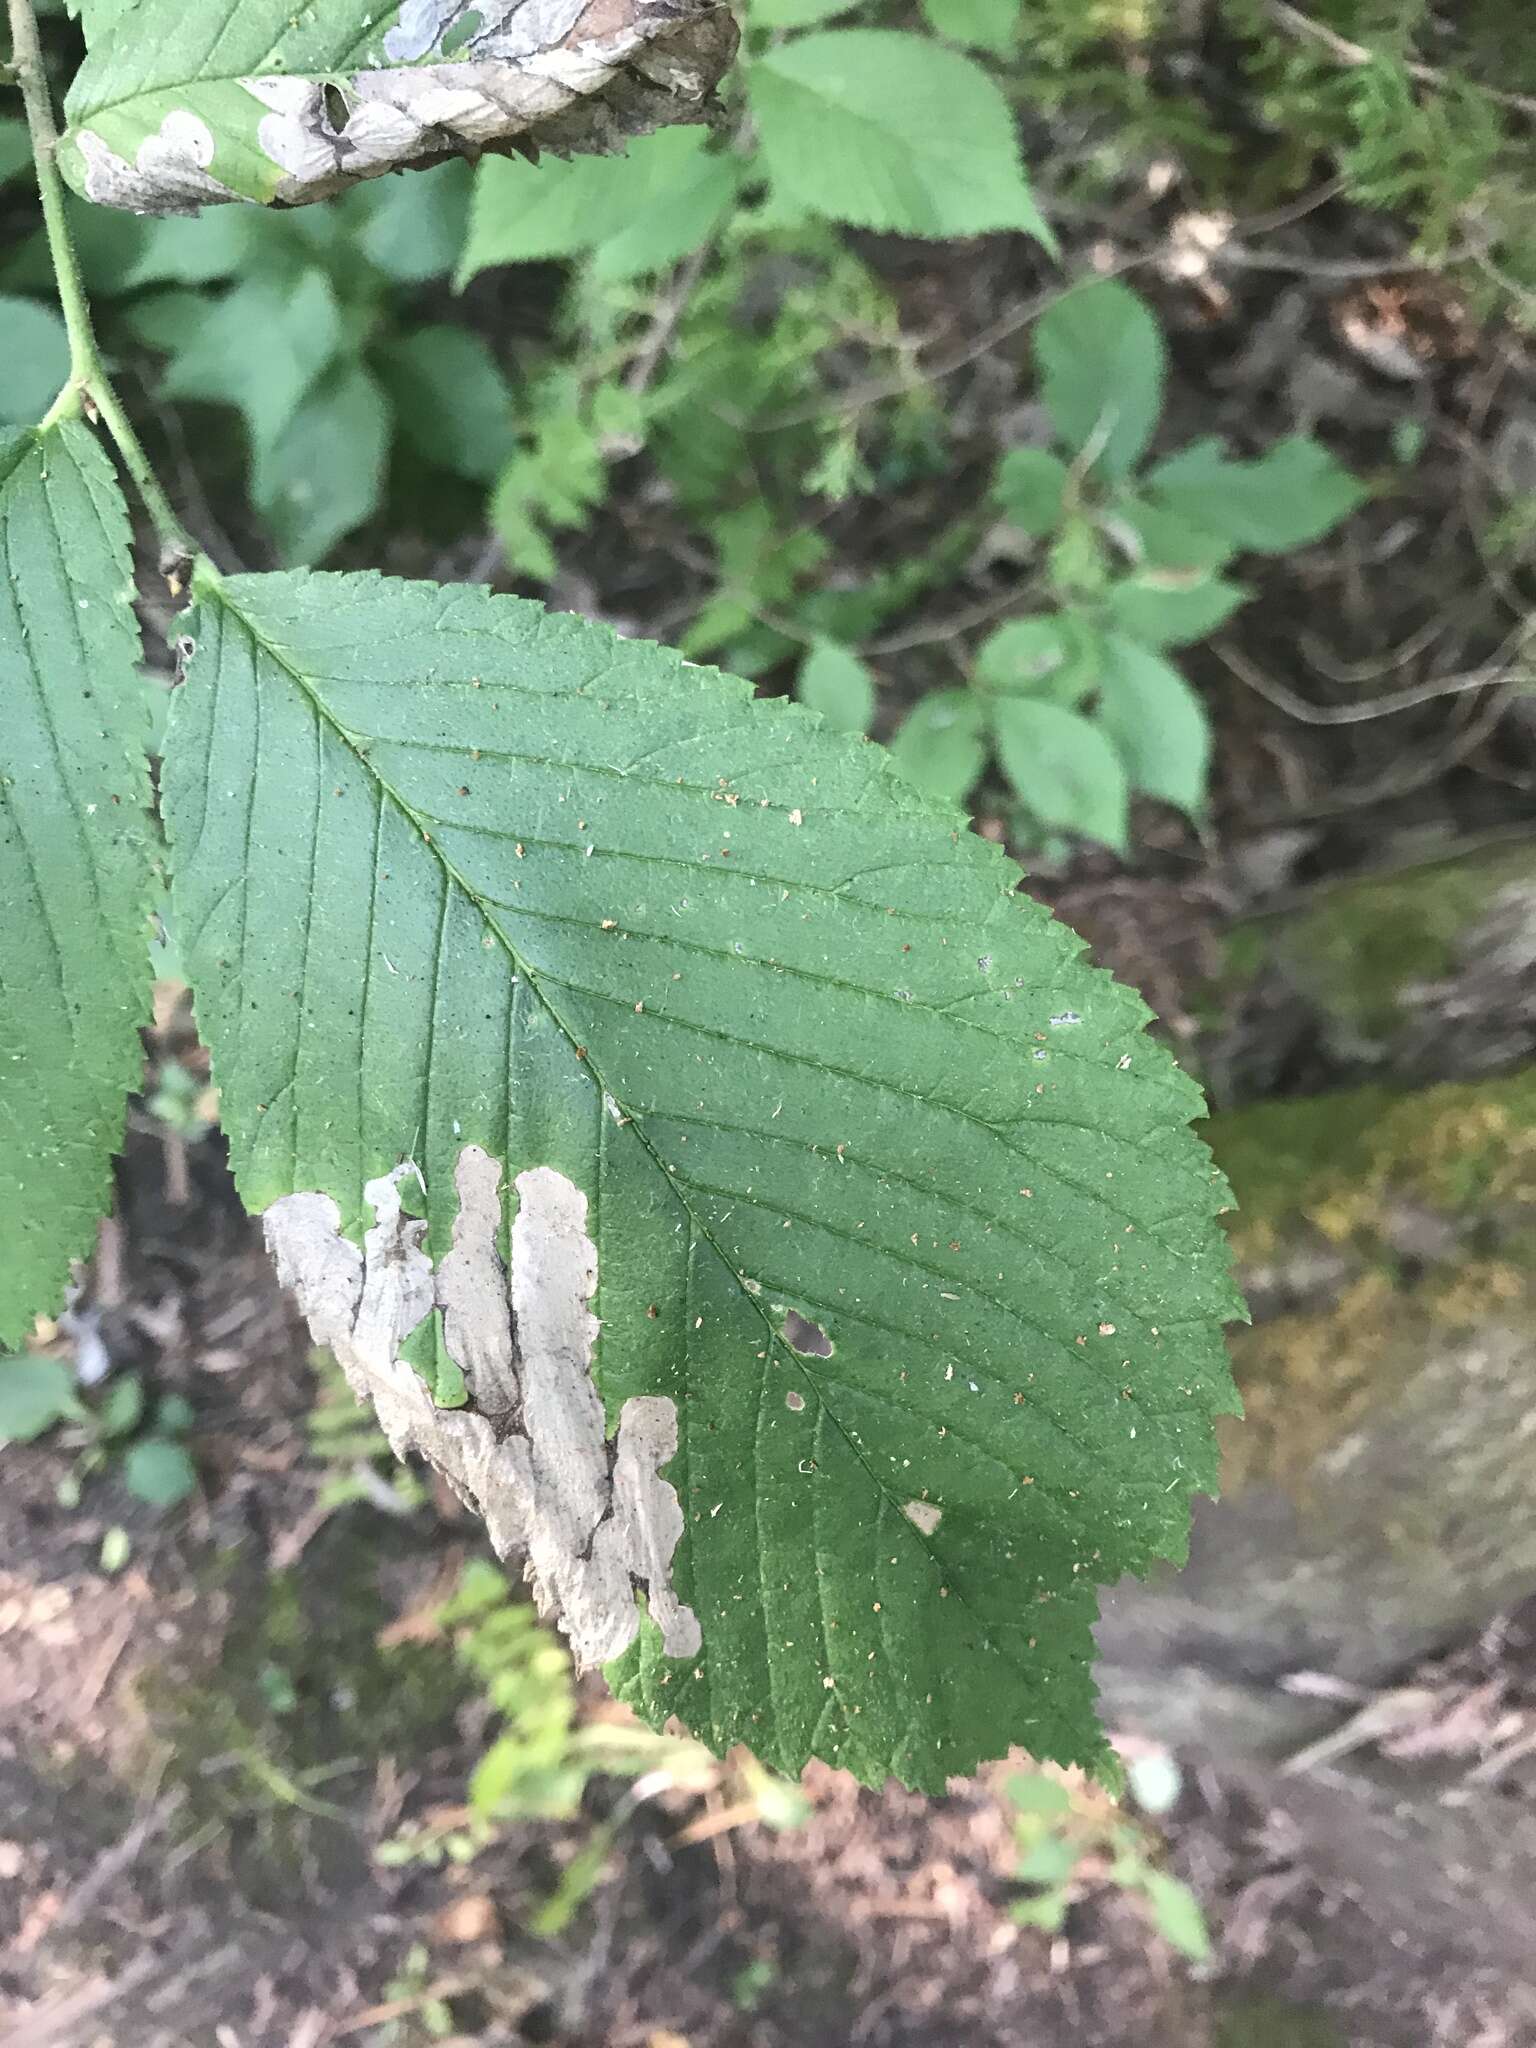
(36, 1394)
(1059, 1836)
(1080, 703)
(548, 867)
(1102, 362)
(630, 216)
(544, 1755)
(883, 130)
(34, 360)
(836, 683)
(74, 856)
(450, 872)
(120, 1429)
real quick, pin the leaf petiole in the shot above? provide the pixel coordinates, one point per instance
(88, 384)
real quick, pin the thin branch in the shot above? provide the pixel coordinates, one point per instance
(88, 380)
(1365, 709)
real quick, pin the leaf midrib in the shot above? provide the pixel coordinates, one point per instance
(213, 589)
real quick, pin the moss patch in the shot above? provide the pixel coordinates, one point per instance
(1333, 1161)
(1359, 947)
(1329, 1169)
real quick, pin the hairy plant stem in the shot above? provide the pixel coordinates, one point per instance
(88, 383)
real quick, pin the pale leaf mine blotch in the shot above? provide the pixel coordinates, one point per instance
(594, 1520)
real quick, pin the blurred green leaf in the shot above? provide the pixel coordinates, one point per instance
(173, 1415)
(34, 360)
(887, 130)
(1049, 1911)
(15, 149)
(35, 1393)
(632, 214)
(1064, 768)
(1293, 494)
(450, 398)
(941, 746)
(1033, 1792)
(158, 1472)
(990, 25)
(1177, 1914)
(1101, 358)
(1157, 723)
(836, 683)
(323, 474)
(1031, 488)
(1051, 1861)
(261, 347)
(1054, 657)
(207, 248)
(1172, 611)
(122, 1406)
(411, 225)
(1167, 540)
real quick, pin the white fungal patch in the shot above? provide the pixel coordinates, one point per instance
(593, 1520)
(922, 1514)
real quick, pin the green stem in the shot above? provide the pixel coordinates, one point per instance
(88, 380)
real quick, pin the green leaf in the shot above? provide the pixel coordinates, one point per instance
(632, 214)
(1157, 723)
(990, 25)
(1031, 488)
(412, 228)
(836, 683)
(1032, 1792)
(1177, 1914)
(1054, 658)
(74, 857)
(887, 130)
(941, 745)
(35, 1394)
(176, 108)
(173, 1415)
(324, 473)
(1160, 539)
(1064, 769)
(261, 347)
(1293, 494)
(1049, 1862)
(34, 360)
(755, 1014)
(15, 149)
(158, 1472)
(206, 249)
(122, 1406)
(1100, 355)
(1173, 610)
(450, 398)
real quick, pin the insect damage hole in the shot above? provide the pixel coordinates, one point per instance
(806, 1337)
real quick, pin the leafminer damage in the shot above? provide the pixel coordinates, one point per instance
(568, 76)
(592, 1518)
